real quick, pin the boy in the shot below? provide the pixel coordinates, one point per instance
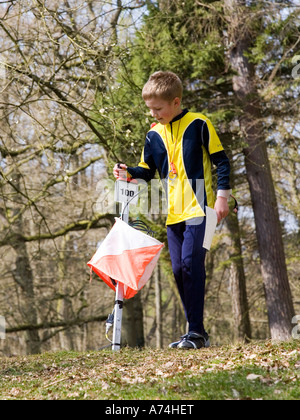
(181, 147)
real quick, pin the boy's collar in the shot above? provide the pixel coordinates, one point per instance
(179, 116)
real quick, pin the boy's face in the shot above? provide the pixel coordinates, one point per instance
(164, 111)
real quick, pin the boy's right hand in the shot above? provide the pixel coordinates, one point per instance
(119, 170)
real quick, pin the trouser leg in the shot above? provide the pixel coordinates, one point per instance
(175, 241)
(188, 263)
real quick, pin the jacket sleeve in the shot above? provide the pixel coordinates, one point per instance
(217, 155)
(221, 161)
(146, 168)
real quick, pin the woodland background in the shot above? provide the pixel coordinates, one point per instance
(71, 74)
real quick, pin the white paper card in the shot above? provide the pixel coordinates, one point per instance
(126, 191)
(211, 224)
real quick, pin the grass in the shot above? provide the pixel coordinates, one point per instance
(261, 370)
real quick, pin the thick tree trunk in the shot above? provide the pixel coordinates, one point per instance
(268, 228)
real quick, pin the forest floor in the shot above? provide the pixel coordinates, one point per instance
(260, 370)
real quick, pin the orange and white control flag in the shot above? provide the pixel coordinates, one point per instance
(127, 256)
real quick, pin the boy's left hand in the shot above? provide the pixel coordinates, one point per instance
(222, 208)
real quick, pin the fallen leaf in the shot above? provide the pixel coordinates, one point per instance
(297, 365)
(253, 377)
(168, 365)
(235, 393)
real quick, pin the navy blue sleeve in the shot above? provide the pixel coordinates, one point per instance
(146, 168)
(141, 173)
(221, 161)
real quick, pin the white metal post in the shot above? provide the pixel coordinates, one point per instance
(125, 193)
(116, 343)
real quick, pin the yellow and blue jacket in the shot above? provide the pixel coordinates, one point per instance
(191, 143)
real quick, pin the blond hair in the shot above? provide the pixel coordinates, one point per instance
(164, 85)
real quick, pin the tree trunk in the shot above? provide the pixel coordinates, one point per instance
(132, 322)
(159, 333)
(268, 228)
(24, 278)
(240, 308)
(239, 299)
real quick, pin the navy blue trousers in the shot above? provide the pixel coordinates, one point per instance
(188, 264)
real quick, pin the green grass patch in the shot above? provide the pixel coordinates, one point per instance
(261, 370)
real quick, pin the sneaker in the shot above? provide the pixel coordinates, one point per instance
(175, 344)
(193, 340)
